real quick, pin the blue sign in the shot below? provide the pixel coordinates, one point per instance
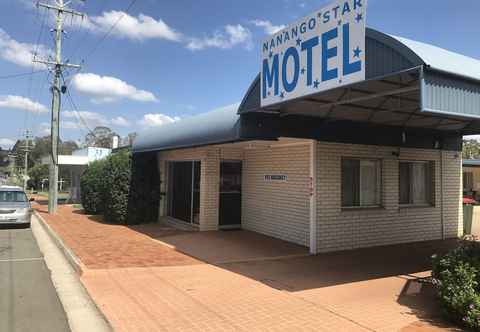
(322, 51)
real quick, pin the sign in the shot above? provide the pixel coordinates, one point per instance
(322, 51)
(276, 177)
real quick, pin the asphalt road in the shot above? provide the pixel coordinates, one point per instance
(28, 299)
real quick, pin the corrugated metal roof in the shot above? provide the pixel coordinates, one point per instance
(441, 59)
(215, 127)
(471, 162)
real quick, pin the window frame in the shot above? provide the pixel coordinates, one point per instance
(430, 199)
(379, 184)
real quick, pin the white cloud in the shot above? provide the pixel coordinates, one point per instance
(120, 121)
(22, 103)
(69, 125)
(137, 28)
(268, 27)
(105, 89)
(44, 129)
(156, 120)
(92, 119)
(232, 35)
(21, 53)
(6, 143)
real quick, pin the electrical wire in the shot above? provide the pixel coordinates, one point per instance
(109, 31)
(5, 77)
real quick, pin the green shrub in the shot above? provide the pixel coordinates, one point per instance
(125, 189)
(144, 196)
(457, 276)
(116, 182)
(91, 187)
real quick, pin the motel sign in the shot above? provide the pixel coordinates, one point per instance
(322, 51)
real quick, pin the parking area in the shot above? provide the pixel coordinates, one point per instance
(28, 301)
(155, 278)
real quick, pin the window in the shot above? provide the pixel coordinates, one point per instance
(361, 183)
(467, 181)
(416, 183)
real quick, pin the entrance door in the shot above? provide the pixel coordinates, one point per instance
(184, 190)
(230, 215)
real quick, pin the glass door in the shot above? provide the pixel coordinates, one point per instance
(184, 190)
(230, 214)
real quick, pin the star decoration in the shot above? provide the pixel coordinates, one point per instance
(270, 54)
(359, 17)
(302, 71)
(299, 42)
(316, 83)
(282, 95)
(356, 52)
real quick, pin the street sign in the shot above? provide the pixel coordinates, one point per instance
(319, 52)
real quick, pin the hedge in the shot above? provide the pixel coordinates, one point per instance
(125, 188)
(116, 182)
(92, 187)
(457, 276)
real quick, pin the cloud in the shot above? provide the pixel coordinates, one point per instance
(92, 119)
(231, 36)
(21, 53)
(268, 27)
(44, 129)
(120, 121)
(105, 89)
(6, 143)
(136, 28)
(156, 120)
(21, 103)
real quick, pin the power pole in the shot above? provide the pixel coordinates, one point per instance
(61, 9)
(25, 161)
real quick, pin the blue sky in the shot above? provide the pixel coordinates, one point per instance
(168, 60)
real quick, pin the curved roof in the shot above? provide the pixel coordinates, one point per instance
(215, 127)
(388, 54)
(443, 60)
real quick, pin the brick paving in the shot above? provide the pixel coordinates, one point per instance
(100, 245)
(141, 284)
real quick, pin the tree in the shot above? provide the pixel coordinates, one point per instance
(100, 137)
(471, 149)
(37, 173)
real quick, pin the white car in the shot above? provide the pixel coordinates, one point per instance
(15, 207)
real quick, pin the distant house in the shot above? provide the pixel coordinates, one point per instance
(77, 162)
(471, 178)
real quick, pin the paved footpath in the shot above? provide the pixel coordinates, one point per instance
(28, 299)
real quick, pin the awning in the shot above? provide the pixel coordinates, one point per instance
(408, 84)
(215, 127)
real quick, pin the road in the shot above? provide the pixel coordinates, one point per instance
(28, 299)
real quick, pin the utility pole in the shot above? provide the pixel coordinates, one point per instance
(25, 161)
(61, 10)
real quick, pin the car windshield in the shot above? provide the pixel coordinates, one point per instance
(12, 196)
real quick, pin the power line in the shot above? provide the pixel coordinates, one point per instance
(109, 31)
(5, 77)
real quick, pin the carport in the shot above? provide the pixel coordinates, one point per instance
(376, 162)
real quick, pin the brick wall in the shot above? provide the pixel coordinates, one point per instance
(348, 229)
(278, 209)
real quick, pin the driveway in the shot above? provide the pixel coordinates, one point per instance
(381, 289)
(28, 299)
(153, 278)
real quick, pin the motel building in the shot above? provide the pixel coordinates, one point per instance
(374, 160)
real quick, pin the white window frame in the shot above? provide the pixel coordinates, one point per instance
(379, 184)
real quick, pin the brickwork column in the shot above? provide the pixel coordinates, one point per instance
(209, 190)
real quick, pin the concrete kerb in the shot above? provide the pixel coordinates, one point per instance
(74, 261)
(82, 312)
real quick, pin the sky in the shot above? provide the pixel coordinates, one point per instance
(168, 60)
